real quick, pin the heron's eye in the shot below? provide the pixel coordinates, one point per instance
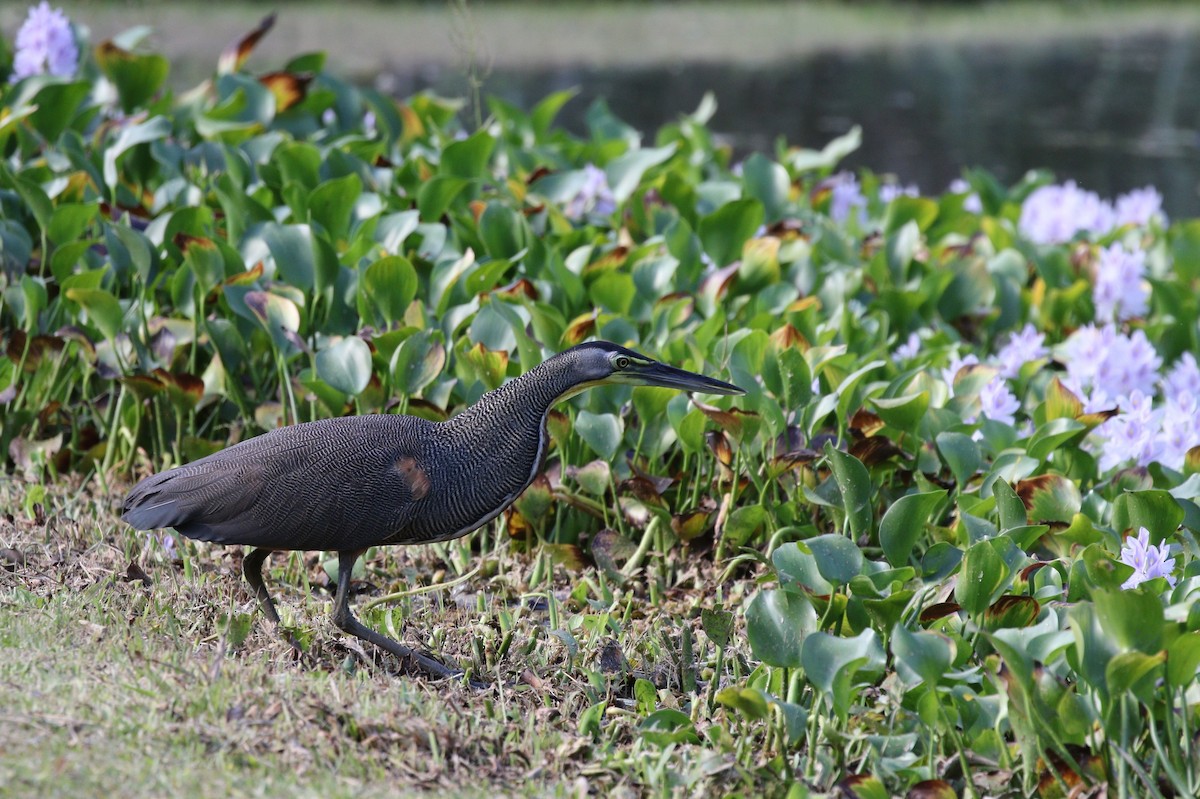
(621, 362)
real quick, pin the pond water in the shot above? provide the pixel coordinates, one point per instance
(1112, 114)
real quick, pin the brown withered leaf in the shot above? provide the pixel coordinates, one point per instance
(46, 415)
(569, 556)
(877, 449)
(788, 337)
(734, 420)
(718, 442)
(185, 241)
(517, 525)
(135, 574)
(580, 328)
(931, 789)
(1026, 488)
(939, 610)
(803, 304)
(865, 423)
(12, 558)
(423, 408)
(233, 56)
(694, 523)
(613, 259)
(661, 484)
(289, 88)
(38, 347)
(787, 229)
(477, 207)
(1028, 571)
(22, 450)
(642, 488)
(537, 174)
(717, 284)
(73, 333)
(246, 278)
(183, 388)
(143, 386)
(1097, 418)
(790, 460)
(612, 659)
(536, 500)
(1011, 611)
(517, 289)
(610, 550)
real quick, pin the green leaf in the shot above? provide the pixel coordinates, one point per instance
(57, 104)
(332, 204)
(291, 248)
(1183, 659)
(467, 158)
(717, 625)
(776, 623)
(131, 136)
(904, 522)
(417, 362)
(1132, 619)
(137, 77)
(798, 566)
(982, 576)
(600, 431)
(625, 173)
(725, 231)
(1127, 669)
(346, 365)
(102, 308)
(502, 230)
(837, 557)
(751, 704)
(744, 524)
(667, 727)
(831, 664)
(1009, 507)
(921, 656)
(904, 209)
(389, 286)
(1054, 435)
(903, 413)
(961, 455)
(854, 483)
(767, 182)
(436, 194)
(544, 112)
(1156, 510)
(802, 160)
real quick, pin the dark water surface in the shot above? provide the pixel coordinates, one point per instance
(1112, 114)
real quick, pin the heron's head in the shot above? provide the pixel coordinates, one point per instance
(602, 362)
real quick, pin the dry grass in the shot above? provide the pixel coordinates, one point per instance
(174, 685)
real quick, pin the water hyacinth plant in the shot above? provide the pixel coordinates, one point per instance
(945, 544)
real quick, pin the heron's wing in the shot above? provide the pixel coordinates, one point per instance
(335, 484)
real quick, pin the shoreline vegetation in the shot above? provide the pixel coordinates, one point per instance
(367, 39)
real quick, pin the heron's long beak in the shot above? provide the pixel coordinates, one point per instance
(659, 374)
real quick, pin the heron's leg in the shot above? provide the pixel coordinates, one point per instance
(252, 566)
(345, 620)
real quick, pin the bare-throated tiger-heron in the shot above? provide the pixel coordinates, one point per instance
(350, 483)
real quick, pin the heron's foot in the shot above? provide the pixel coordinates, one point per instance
(413, 658)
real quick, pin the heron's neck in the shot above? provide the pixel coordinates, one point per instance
(519, 407)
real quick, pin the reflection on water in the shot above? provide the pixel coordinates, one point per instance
(1111, 114)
